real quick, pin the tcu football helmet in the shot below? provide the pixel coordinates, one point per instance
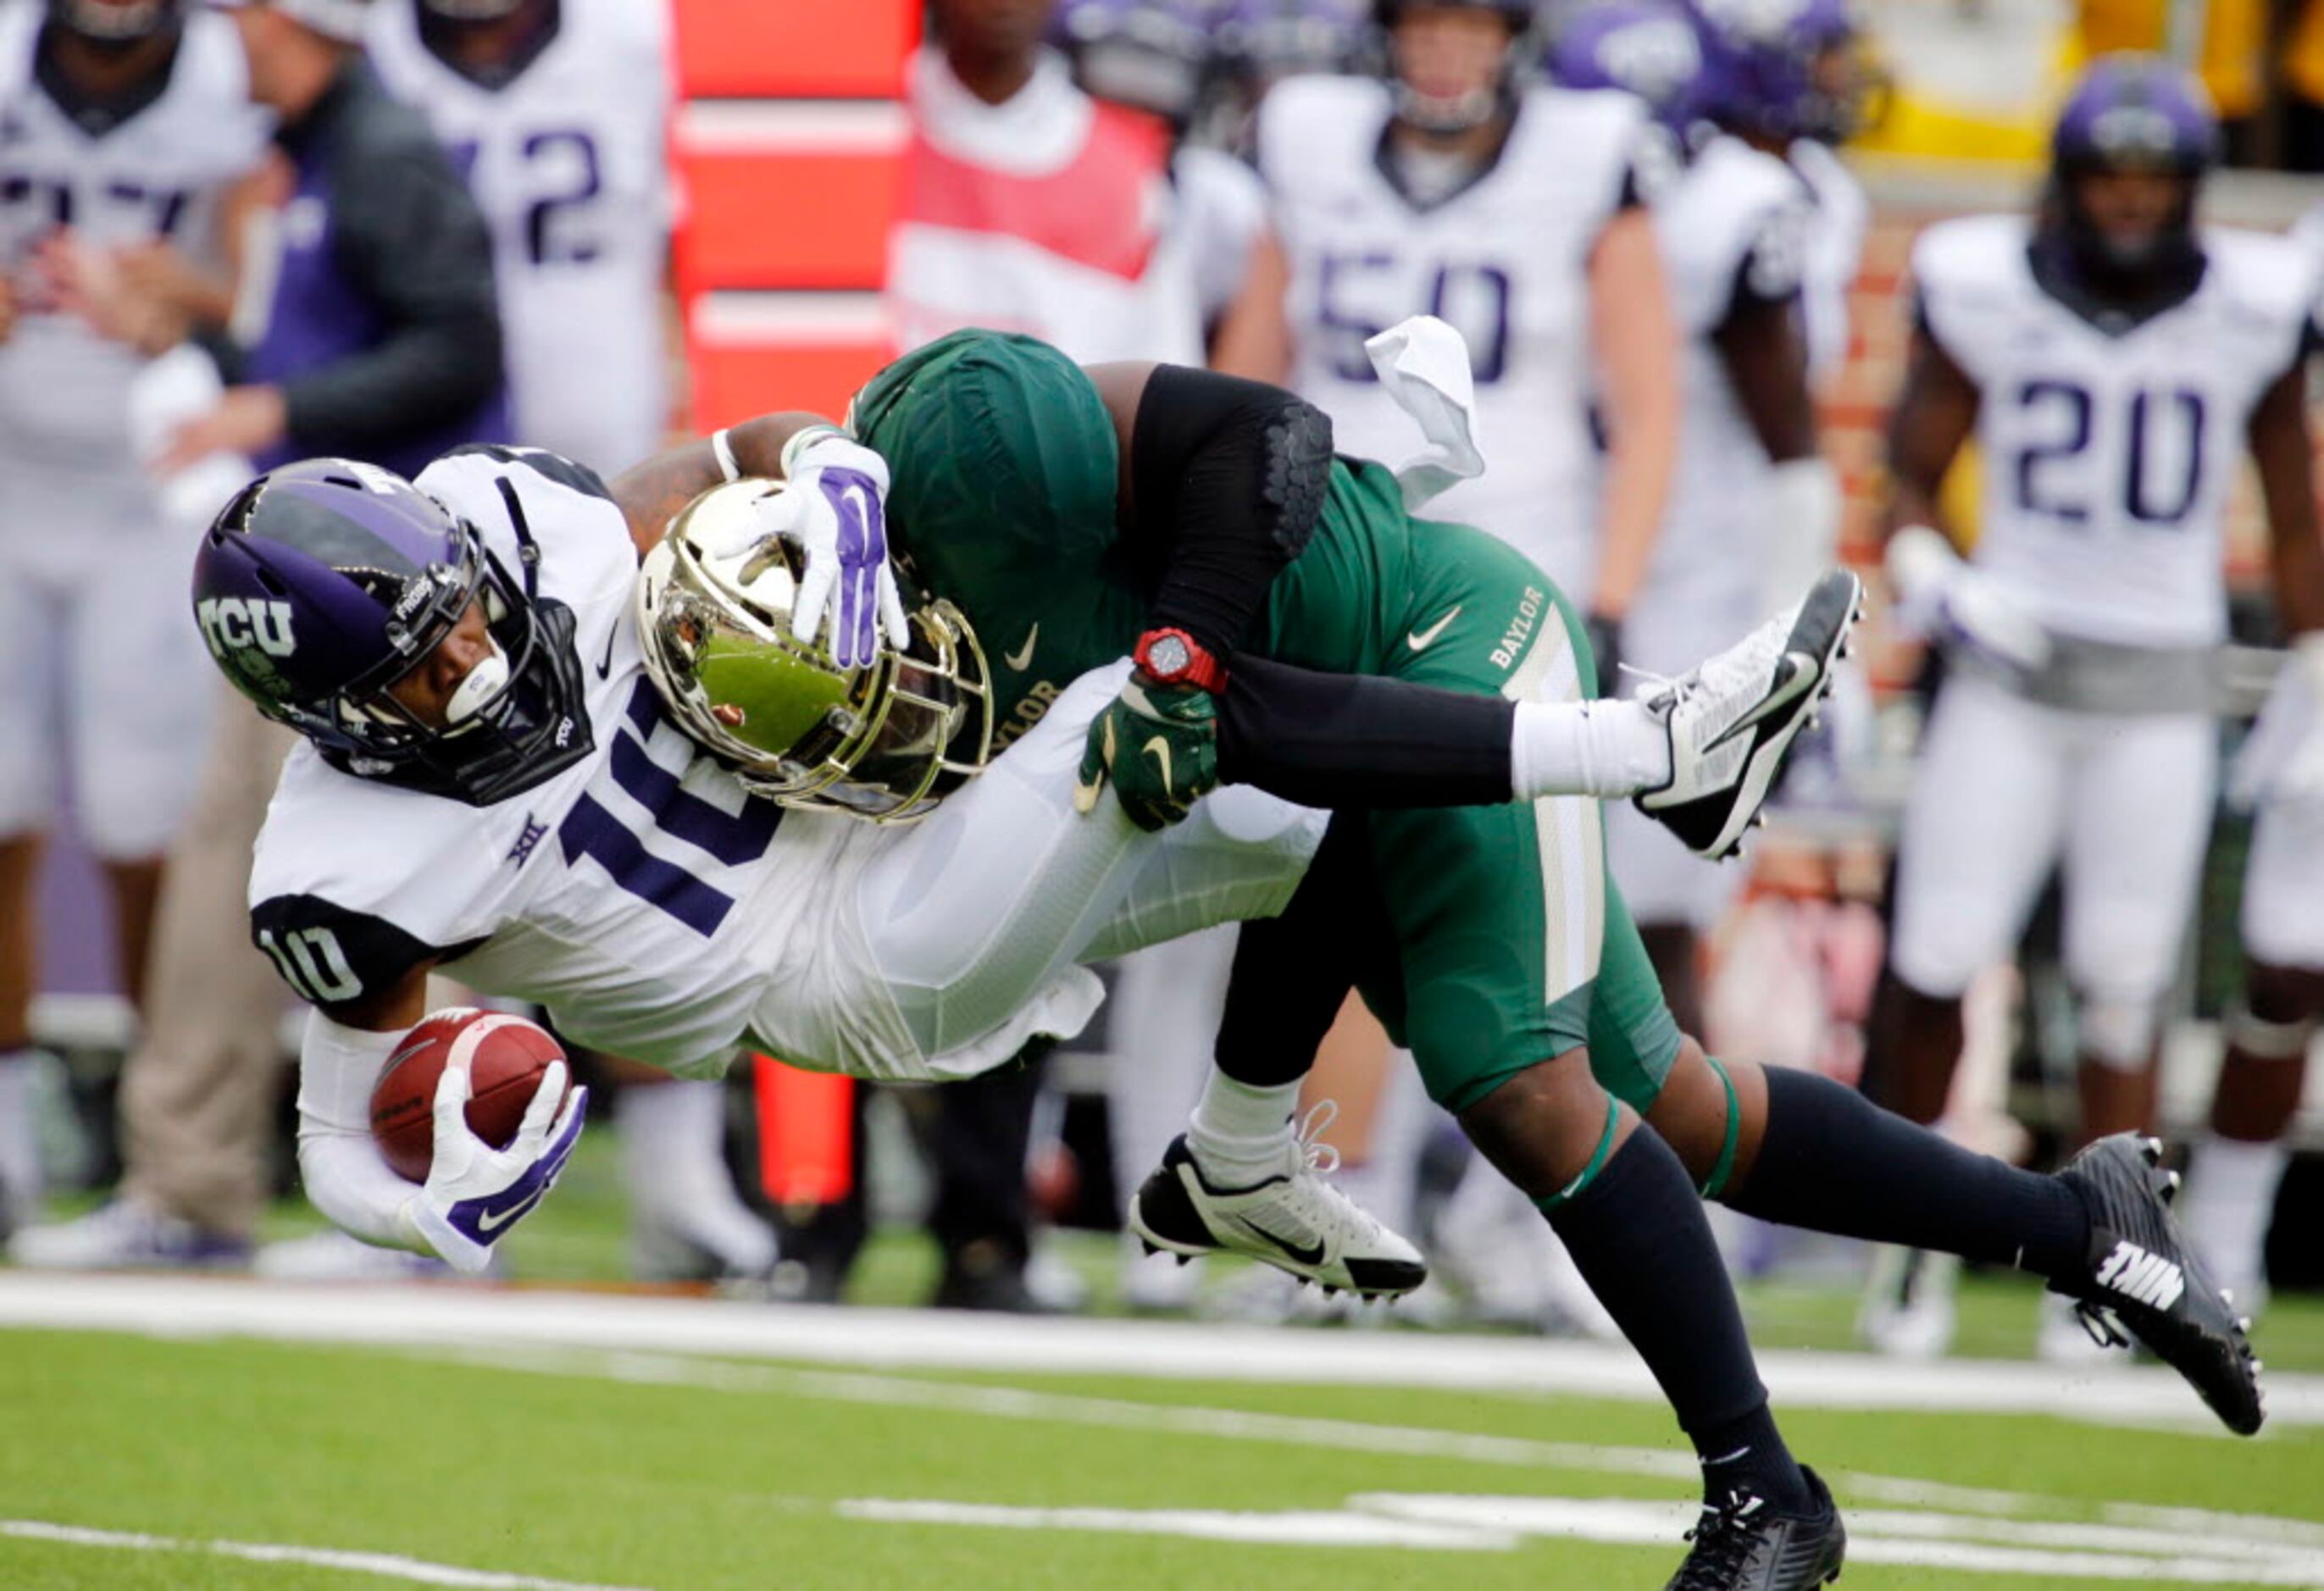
(322, 583)
(884, 741)
(1648, 48)
(116, 24)
(1781, 69)
(2131, 114)
(1448, 114)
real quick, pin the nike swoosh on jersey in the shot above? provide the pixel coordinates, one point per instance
(605, 668)
(492, 1220)
(1023, 656)
(1420, 640)
(1801, 674)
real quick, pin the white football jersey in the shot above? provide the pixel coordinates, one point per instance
(153, 176)
(1735, 222)
(1505, 260)
(2110, 454)
(641, 895)
(568, 162)
(1843, 215)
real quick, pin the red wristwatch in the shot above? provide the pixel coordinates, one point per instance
(1172, 656)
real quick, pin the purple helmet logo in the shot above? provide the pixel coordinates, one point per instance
(325, 583)
(2136, 112)
(1769, 71)
(1644, 47)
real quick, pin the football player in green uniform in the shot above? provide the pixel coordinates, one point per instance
(1280, 603)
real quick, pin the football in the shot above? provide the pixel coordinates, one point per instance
(506, 1057)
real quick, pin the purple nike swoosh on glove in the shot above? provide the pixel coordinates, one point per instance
(484, 1221)
(854, 499)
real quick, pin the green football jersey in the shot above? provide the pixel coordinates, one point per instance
(1006, 466)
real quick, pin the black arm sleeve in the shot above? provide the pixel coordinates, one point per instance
(1229, 478)
(414, 244)
(1362, 741)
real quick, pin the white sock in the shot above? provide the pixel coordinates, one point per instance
(673, 1159)
(1612, 747)
(1238, 1130)
(2230, 1196)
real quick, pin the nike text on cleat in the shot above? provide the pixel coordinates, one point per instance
(2141, 1280)
(1295, 1220)
(1743, 1544)
(1733, 718)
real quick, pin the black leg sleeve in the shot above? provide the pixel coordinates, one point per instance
(1359, 740)
(1292, 973)
(1832, 1161)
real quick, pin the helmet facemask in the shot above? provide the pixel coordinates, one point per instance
(1441, 115)
(884, 741)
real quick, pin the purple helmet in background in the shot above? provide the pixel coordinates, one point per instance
(1649, 48)
(1151, 55)
(1781, 69)
(2131, 114)
(325, 581)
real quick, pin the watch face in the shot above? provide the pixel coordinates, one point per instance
(1168, 657)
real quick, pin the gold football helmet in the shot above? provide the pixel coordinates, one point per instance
(884, 741)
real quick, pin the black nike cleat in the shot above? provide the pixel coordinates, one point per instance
(1743, 1544)
(1732, 719)
(1296, 1221)
(2142, 1279)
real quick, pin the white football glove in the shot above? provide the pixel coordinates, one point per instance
(837, 509)
(2282, 758)
(474, 1192)
(1939, 594)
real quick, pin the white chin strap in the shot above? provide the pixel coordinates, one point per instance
(485, 681)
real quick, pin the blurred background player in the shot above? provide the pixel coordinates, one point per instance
(379, 339)
(124, 126)
(1753, 501)
(2114, 361)
(2240, 1161)
(557, 113)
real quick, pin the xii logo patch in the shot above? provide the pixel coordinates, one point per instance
(533, 835)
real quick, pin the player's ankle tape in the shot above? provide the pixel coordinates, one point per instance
(2255, 1034)
(1574, 1189)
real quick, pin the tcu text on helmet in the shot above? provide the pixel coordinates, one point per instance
(241, 623)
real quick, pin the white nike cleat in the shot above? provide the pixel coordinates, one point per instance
(1295, 1220)
(1732, 718)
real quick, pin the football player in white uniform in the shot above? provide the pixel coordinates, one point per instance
(1455, 187)
(2115, 361)
(123, 123)
(2240, 1165)
(557, 112)
(1753, 501)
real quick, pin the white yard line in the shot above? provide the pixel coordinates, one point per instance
(175, 1306)
(2153, 1528)
(386, 1565)
(1447, 1524)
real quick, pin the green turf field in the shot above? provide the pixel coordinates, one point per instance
(483, 1461)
